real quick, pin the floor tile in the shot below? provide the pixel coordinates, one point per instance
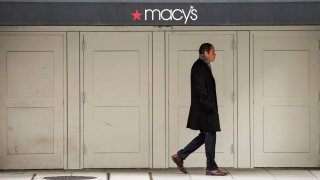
(123, 170)
(87, 170)
(315, 172)
(165, 171)
(170, 177)
(129, 175)
(250, 174)
(13, 176)
(168, 174)
(291, 174)
(98, 175)
(41, 174)
(199, 174)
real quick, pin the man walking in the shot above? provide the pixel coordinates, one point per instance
(203, 114)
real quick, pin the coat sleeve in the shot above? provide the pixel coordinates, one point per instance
(198, 81)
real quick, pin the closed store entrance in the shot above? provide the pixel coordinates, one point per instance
(132, 97)
(286, 125)
(32, 100)
(116, 101)
(182, 51)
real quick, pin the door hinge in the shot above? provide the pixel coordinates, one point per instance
(233, 45)
(319, 96)
(319, 44)
(84, 149)
(319, 145)
(233, 96)
(83, 45)
(83, 97)
(232, 148)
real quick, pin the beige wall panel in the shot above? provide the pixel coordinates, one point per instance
(21, 135)
(30, 71)
(32, 97)
(182, 49)
(278, 137)
(116, 106)
(286, 124)
(109, 122)
(109, 80)
(159, 97)
(243, 97)
(73, 39)
(286, 73)
(37, 61)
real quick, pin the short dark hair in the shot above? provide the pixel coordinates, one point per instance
(205, 47)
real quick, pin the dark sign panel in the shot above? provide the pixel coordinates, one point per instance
(167, 14)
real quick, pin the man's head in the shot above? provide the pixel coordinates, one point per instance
(208, 51)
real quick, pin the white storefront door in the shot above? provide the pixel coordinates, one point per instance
(286, 124)
(182, 52)
(31, 100)
(116, 105)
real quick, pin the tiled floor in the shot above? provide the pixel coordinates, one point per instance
(164, 174)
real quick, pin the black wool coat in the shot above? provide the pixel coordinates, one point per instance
(203, 114)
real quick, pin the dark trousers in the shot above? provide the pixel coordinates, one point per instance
(209, 139)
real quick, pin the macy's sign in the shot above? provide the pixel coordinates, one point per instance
(167, 15)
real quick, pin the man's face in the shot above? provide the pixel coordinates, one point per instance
(211, 55)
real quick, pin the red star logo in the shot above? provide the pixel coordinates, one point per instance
(136, 15)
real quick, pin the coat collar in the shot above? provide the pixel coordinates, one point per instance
(203, 62)
(201, 57)
(207, 67)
